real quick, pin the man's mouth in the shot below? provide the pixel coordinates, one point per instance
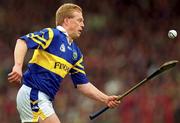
(79, 31)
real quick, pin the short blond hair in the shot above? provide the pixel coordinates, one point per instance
(65, 11)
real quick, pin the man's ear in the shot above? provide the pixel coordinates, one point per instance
(66, 20)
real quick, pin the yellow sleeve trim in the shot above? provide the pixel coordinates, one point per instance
(81, 71)
(47, 42)
(79, 63)
(51, 35)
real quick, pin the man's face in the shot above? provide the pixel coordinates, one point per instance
(75, 25)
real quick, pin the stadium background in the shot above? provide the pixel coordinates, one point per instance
(122, 42)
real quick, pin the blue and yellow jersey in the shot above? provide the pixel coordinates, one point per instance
(54, 57)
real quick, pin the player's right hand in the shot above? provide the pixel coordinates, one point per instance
(113, 101)
(16, 75)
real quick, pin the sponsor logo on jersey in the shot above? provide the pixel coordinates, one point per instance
(59, 65)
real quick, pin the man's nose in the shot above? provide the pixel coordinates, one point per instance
(82, 24)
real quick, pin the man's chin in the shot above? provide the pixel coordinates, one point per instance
(77, 36)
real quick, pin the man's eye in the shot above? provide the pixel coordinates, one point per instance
(80, 20)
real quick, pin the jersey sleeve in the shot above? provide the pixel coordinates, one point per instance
(78, 74)
(40, 39)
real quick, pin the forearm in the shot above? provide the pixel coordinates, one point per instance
(20, 52)
(92, 92)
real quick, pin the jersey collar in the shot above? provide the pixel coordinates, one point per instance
(60, 28)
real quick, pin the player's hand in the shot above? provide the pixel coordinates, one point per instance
(112, 101)
(16, 75)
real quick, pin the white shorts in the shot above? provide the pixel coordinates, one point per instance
(33, 104)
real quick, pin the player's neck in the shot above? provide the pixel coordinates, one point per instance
(64, 29)
(70, 39)
(69, 34)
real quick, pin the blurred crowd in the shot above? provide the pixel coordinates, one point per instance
(123, 42)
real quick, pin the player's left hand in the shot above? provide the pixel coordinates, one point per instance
(112, 101)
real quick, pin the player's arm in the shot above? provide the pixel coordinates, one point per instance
(82, 83)
(19, 54)
(92, 92)
(36, 40)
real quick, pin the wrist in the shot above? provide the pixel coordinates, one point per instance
(105, 99)
(18, 65)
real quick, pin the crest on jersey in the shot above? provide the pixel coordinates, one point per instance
(75, 55)
(62, 48)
